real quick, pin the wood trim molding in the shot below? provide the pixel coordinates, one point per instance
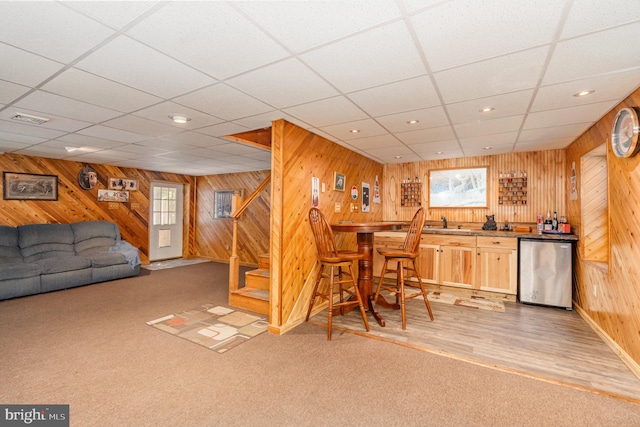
(623, 355)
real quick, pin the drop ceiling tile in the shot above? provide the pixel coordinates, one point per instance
(398, 97)
(327, 112)
(556, 132)
(466, 31)
(12, 126)
(365, 128)
(23, 67)
(112, 13)
(542, 145)
(303, 25)
(75, 140)
(166, 144)
(300, 86)
(50, 29)
(236, 148)
(616, 49)
(161, 112)
(40, 151)
(495, 150)
(133, 64)
(588, 113)
(442, 133)
(379, 141)
(55, 122)
(427, 118)
(448, 154)
(503, 105)
(264, 120)
(607, 87)
(73, 83)
(586, 16)
(507, 138)
(196, 139)
(510, 73)
(223, 101)
(20, 139)
(182, 156)
(401, 159)
(380, 56)
(417, 5)
(210, 36)
(50, 103)
(105, 132)
(9, 92)
(489, 127)
(396, 150)
(141, 126)
(71, 150)
(11, 146)
(223, 129)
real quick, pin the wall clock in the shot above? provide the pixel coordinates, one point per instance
(624, 135)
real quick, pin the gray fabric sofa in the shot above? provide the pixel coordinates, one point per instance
(39, 258)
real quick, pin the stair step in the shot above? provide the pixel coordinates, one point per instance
(252, 299)
(264, 262)
(258, 279)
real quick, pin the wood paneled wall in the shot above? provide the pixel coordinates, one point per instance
(214, 236)
(297, 156)
(616, 306)
(76, 204)
(547, 183)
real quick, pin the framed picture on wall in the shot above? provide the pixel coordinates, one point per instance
(224, 203)
(339, 181)
(29, 186)
(123, 184)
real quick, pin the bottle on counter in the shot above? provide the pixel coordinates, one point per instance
(554, 222)
(548, 224)
(540, 224)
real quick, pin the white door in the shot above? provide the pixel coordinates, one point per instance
(165, 231)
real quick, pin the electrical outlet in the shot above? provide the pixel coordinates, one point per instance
(595, 290)
(226, 246)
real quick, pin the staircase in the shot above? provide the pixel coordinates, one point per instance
(254, 296)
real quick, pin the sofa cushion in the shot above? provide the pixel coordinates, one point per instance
(106, 259)
(18, 270)
(38, 241)
(63, 263)
(9, 249)
(94, 236)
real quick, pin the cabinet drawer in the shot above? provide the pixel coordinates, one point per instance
(448, 240)
(497, 242)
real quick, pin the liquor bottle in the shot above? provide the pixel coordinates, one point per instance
(548, 224)
(554, 222)
(539, 223)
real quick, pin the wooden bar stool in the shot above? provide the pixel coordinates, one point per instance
(340, 264)
(406, 263)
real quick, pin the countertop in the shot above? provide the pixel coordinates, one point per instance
(489, 233)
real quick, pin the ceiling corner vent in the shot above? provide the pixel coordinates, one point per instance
(34, 120)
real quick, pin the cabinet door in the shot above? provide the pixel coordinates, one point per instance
(429, 262)
(497, 270)
(458, 266)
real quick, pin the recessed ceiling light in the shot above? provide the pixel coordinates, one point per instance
(487, 148)
(71, 149)
(179, 119)
(439, 152)
(584, 93)
(354, 130)
(27, 118)
(397, 157)
(487, 109)
(413, 122)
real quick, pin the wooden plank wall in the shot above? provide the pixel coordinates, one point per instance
(547, 182)
(76, 204)
(214, 237)
(299, 155)
(615, 307)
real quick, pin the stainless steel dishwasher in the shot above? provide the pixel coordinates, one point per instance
(545, 275)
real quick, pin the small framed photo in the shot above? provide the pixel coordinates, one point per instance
(29, 186)
(123, 184)
(113, 196)
(339, 181)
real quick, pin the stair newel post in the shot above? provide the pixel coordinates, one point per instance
(234, 261)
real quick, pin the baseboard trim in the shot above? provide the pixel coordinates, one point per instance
(623, 355)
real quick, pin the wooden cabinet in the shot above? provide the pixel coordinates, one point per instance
(471, 262)
(497, 264)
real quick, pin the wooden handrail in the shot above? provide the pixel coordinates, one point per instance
(243, 207)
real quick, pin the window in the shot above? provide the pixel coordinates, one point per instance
(164, 206)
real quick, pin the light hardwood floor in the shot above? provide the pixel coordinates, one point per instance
(550, 344)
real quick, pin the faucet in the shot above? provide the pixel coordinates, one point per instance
(444, 221)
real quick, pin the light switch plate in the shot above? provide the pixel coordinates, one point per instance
(337, 207)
